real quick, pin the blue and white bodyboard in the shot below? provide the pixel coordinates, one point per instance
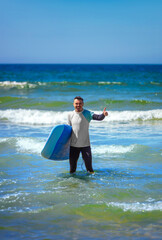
(58, 143)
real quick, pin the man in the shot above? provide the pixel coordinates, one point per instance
(79, 119)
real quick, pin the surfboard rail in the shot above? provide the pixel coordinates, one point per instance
(58, 143)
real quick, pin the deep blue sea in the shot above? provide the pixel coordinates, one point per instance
(39, 199)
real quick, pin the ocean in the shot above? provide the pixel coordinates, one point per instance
(39, 199)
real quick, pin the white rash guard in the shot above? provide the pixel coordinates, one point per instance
(80, 127)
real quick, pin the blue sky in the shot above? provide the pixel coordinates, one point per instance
(80, 31)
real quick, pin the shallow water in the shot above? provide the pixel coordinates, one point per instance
(39, 199)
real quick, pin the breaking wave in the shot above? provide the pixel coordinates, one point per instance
(40, 117)
(18, 85)
(37, 84)
(35, 146)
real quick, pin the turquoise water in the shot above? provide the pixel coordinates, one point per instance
(39, 199)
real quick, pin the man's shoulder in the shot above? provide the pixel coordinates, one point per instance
(88, 114)
(87, 111)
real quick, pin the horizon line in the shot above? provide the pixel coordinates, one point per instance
(83, 63)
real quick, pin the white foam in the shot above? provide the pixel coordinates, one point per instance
(40, 117)
(25, 144)
(110, 83)
(23, 116)
(111, 149)
(137, 206)
(35, 146)
(29, 145)
(13, 197)
(14, 84)
(3, 140)
(7, 196)
(127, 116)
(7, 182)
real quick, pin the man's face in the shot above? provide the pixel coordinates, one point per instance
(78, 105)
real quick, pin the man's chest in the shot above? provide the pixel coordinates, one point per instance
(78, 120)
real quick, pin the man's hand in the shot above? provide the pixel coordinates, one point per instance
(105, 112)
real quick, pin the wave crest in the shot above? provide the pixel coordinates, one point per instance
(137, 206)
(112, 149)
(19, 85)
(40, 117)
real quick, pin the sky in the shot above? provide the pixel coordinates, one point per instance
(81, 31)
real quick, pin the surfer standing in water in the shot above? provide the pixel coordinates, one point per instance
(79, 119)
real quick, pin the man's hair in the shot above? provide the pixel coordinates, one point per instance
(78, 98)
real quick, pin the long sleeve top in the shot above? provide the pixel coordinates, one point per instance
(80, 126)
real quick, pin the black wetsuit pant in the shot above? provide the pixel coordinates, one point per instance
(86, 155)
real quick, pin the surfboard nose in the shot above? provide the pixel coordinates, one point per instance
(58, 143)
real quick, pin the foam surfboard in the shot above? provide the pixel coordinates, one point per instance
(58, 143)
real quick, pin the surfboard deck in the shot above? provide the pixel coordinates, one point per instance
(58, 143)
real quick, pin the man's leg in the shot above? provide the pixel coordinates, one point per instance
(87, 157)
(73, 158)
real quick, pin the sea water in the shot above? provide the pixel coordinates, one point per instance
(39, 199)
